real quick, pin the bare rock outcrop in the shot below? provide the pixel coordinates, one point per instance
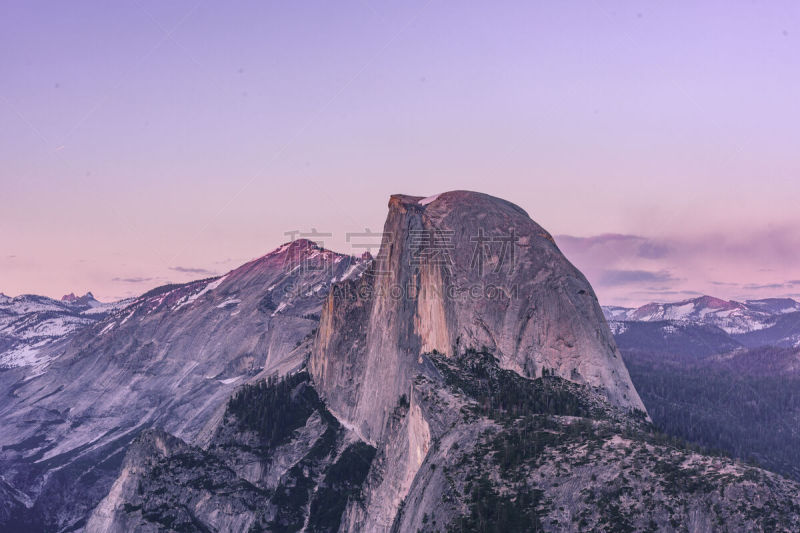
(460, 271)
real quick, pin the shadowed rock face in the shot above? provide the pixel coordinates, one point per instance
(460, 271)
(259, 472)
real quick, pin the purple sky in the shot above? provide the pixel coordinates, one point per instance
(163, 141)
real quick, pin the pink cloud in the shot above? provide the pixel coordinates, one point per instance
(633, 269)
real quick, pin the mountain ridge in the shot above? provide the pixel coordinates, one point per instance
(465, 378)
(752, 323)
(168, 359)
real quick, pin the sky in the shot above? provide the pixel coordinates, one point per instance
(146, 142)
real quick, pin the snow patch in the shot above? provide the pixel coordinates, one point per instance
(229, 302)
(127, 317)
(191, 298)
(429, 199)
(349, 272)
(22, 356)
(228, 381)
(618, 328)
(280, 308)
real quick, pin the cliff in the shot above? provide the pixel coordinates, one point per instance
(455, 272)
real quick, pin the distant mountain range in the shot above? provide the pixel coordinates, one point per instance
(709, 310)
(29, 324)
(711, 322)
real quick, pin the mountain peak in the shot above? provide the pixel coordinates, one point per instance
(295, 252)
(297, 247)
(450, 200)
(298, 256)
(81, 300)
(461, 272)
(712, 302)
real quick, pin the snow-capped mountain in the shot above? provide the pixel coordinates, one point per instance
(731, 316)
(752, 323)
(30, 323)
(775, 306)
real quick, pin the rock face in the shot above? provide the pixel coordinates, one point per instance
(473, 448)
(170, 359)
(505, 453)
(278, 461)
(460, 271)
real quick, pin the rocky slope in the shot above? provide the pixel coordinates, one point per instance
(278, 461)
(170, 359)
(473, 447)
(507, 410)
(554, 456)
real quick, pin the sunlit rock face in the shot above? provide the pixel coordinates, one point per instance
(460, 271)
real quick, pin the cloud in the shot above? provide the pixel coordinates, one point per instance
(626, 277)
(751, 263)
(653, 250)
(667, 293)
(757, 286)
(615, 244)
(193, 270)
(768, 250)
(133, 280)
